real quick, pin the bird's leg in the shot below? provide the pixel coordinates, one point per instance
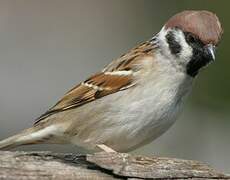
(105, 148)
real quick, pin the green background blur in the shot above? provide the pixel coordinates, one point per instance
(47, 46)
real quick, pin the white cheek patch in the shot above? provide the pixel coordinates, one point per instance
(163, 43)
(186, 50)
(183, 57)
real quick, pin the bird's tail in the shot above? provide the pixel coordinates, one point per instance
(32, 135)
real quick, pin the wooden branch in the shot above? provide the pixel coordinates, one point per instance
(47, 165)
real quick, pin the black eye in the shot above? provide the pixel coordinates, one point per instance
(193, 40)
(190, 38)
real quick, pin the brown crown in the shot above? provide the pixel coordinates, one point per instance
(203, 24)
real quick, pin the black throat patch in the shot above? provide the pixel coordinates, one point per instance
(174, 46)
(199, 58)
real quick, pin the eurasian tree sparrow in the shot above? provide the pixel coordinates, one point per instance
(137, 97)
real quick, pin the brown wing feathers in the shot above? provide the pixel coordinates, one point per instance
(93, 88)
(131, 59)
(117, 76)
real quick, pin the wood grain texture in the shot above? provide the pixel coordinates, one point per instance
(47, 165)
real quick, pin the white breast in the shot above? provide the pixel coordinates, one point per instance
(149, 110)
(131, 118)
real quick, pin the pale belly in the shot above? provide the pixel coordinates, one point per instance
(128, 119)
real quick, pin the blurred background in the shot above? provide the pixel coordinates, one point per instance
(46, 47)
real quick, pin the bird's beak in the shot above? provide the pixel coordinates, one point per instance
(210, 51)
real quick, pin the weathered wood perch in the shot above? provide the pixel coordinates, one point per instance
(47, 165)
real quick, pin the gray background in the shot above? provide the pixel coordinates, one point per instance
(47, 46)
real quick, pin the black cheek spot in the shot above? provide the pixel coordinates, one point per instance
(174, 46)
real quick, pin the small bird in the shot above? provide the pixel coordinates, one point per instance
(137, 97)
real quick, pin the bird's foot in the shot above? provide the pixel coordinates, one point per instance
(106, 148)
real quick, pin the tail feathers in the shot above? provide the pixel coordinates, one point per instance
(29, 136)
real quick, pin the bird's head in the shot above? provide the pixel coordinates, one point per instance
(190, 38)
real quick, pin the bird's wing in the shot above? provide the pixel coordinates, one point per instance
(117, 76)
